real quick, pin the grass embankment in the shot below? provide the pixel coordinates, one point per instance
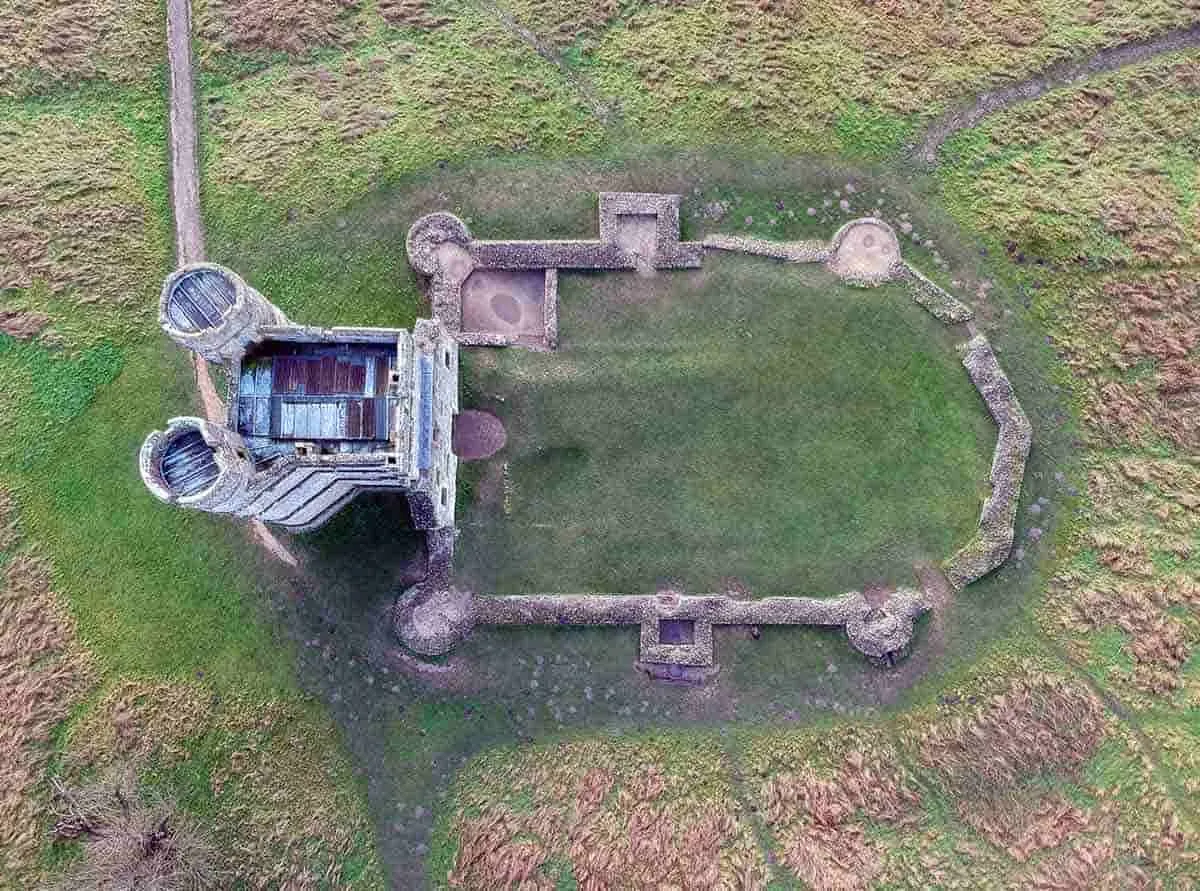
(750, 424)
(117, 608)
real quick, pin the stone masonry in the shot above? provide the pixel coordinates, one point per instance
(316, 415)
(640, 232)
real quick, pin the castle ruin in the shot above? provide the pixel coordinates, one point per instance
(315, 415)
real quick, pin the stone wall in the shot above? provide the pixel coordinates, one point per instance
(432, 618)
(992, 542)
(441, 249)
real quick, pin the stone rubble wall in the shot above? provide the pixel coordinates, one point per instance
(939, 302)
(432, 618)
(440, 247)
(992, 542)
(942, 305)
(791, 251)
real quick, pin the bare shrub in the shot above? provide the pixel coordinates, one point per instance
(131, 839)
(284, 814)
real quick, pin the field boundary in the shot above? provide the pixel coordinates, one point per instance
(1061, 74)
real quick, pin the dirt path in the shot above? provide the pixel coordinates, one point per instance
(185, 184)
(926, 653)
(185, 207)
(605, 111)
(1059, 75)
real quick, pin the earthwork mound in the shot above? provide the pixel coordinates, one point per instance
(477, 435)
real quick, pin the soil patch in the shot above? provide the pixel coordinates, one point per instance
(637, 234)
(504, 301)
(477, 435)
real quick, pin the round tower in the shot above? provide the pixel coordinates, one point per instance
(197, 464)
(210, 310)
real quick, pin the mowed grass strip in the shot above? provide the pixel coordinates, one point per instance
(750, 421)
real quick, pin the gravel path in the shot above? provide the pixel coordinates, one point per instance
(185, 207)
(185, 186)
(1059, 75)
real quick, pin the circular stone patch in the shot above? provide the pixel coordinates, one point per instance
(865, 252)
(477, 435)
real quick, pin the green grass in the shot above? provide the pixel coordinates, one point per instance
(752, 420)
(156, 590)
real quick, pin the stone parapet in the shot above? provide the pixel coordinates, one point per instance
(210, 310)
(227, 481)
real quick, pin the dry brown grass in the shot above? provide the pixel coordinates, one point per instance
(43, 672)
(131, 839)
(283, 816)
(73, 40)
(421, 14)
(819, 795)
(1045, 789)
(1131, 340)
(73, 214)
(315, 133)
(623, 815)
(818, 819)
(788, 68)
(22, 325)
(290, 26)
(1143, 519)
(260, 28)
(1023, 824)
(1038, 723)
(563, 23)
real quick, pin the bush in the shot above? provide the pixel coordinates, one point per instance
(131, 839)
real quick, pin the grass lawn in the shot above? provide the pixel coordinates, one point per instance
(752, 421)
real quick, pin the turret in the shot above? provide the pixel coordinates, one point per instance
(197, 464)
(212, 311)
